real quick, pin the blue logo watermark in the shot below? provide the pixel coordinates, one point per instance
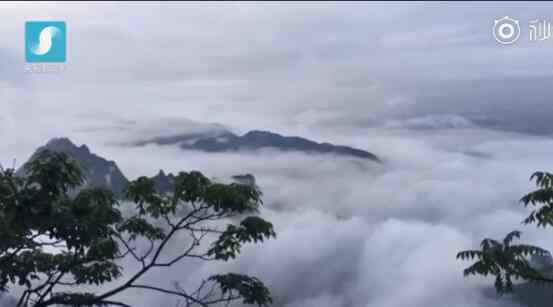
(45, 42)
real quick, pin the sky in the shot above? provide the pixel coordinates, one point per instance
(459, 120)
(292, 68)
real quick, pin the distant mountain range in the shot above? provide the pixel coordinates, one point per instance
(100, 172)
(226, 141)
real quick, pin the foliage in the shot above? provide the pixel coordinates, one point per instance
(507, 261)
(57, 235)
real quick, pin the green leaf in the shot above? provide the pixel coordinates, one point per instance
(251, 289)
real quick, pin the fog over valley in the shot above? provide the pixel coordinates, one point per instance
(384, 138)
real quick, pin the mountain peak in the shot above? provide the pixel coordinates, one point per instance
(65, 144)
(60, 141)
(259, 139)
(226, 141)
(98, 171)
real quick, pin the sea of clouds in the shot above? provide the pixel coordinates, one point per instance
(353, 232)
(356, 233)
(350, 233)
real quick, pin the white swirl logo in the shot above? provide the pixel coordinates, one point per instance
(45, 40)
(506, 30)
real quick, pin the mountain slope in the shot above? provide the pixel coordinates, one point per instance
(229, 142)
(100, 172)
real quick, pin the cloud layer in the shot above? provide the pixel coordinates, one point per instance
(277, 66)
(354, 233)
(387, 78)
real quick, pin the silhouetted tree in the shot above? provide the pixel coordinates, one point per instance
(507, 261)
(56, 235)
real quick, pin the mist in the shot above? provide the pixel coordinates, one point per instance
(353, 232)
(459, 122)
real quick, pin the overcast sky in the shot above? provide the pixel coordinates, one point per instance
(419, 84)
(289, 67)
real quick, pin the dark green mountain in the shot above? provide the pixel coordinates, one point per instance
(227, 141)
(100, 172)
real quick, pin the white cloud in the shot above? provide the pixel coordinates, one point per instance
(431, 122)
(351, 233)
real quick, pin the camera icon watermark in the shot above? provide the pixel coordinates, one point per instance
(506, 30)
